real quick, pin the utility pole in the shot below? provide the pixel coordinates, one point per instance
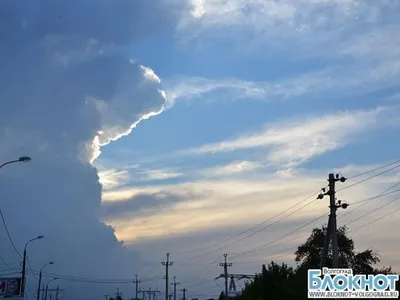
(175, 284)
(331, 232)
(166, 264)
(170, 297)
(226, 265)
(106, 296)
(57, 291)
(152, 294)
(137, 286)
(184, 293)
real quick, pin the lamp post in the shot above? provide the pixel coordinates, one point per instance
(24, 264)
(40, 279)
(47, 287)
(21, 159)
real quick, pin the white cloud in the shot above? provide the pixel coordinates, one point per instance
(196, 87)
(363, 77)
(223, 203)
(149, 175)
(117, 114)
(265, 16)
(305, 29)
(112, 178)
(150, 75)
(291, 142)
(233, 168)
(60, 98)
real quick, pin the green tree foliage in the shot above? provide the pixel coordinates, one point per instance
(281, 282)
(309, 254)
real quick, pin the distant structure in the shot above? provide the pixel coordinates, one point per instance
(231, 295)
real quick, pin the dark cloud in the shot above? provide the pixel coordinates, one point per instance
(64, 78)
(137, 205)
(128, 208)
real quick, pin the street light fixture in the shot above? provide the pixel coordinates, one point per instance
(21, 159)
(24, 264)
(47, 287)
(40, 279)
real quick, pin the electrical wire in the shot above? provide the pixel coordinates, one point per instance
(8, 233)
(359, 182)
(263, 246)
(3, 261)
(375, 169)
(366, 201)
(94, 280)
(280, 244)
(30, 267)
(258, 231)
(375, 197)
(251, 228)
(368, 178)
(376, 220)
(380, 207)
(296, 204)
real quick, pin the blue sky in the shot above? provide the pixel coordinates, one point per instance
(172, 125)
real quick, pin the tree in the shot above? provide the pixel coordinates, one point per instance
(271, 283)
(280, 282)
(309, 254)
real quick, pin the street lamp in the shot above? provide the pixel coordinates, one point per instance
(21, 159)
(24, 264)
(47, 287)
(40, 279)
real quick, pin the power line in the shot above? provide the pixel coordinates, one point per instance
(375, 169)
(361, 201)
(259, 248)
(280, 244)
(30, 267)
(380, 207)
(264, 228)
(91, 280)
(366, 201)
(4, 262)
(296, 204)
(368, 178)
(8, 233)
(266, 244)
(373, 221)
(251, 228)
(375, 197)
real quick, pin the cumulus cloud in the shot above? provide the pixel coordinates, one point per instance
(67, 89)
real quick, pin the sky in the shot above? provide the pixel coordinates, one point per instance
(192, 128)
